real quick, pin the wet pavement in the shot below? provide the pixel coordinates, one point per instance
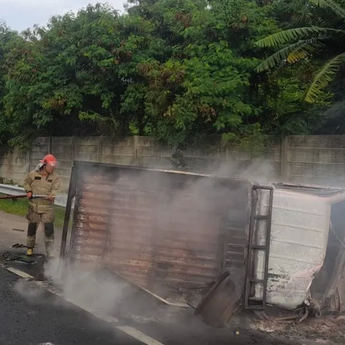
(32, 318)
(41, 318)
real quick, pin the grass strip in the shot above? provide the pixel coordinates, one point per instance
(19, 207)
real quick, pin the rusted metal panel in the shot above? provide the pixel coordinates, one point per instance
(220, 302)
(163, 231)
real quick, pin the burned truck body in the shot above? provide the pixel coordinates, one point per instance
(306, 257)
(195, 240)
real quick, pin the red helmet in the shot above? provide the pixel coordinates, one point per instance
(49, 160)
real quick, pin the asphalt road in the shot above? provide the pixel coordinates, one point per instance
(30, 315)
(47, 319)
(34, 316)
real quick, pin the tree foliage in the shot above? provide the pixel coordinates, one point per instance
(306, 41)
(173, 69)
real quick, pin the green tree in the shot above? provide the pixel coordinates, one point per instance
(305, 41)
(204, 85)
(177, 70)
(63, 79)
(6, 36)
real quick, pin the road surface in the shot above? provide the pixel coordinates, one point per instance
(46, 320)
(34, 316)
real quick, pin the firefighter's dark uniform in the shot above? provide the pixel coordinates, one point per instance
(41, 210)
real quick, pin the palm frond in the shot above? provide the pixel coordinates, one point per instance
(303, 51)
(286, 36)
(324, 76)
(336, 8)
(292, 53)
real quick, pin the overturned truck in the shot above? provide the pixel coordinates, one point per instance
(217, 244)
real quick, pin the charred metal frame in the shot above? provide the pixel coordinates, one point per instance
(224, 232)
(252, 247)
(70, 196)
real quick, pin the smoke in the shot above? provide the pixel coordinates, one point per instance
(165, 226)
(29, 291)
(98, 292)
(158, 222)
(257, 170)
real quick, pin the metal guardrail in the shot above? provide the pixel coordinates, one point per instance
(60, 200)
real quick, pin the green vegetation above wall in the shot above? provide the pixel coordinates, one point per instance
(174, 70)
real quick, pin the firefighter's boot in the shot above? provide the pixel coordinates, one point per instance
(30, 243)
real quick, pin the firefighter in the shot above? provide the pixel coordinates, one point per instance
(42, 181)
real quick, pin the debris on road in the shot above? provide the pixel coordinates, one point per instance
(17, 245)
(291, 327)
(19, 230)
(22, 259)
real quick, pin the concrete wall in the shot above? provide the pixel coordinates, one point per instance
(314, 159)
(300, 159)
